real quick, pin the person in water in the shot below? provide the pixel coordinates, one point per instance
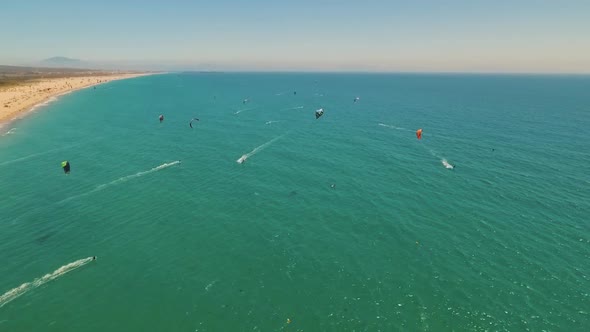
(93, 258)
(161, 118)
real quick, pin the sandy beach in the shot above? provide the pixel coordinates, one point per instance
(16, 99)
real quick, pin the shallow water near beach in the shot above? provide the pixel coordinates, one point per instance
(344, 223)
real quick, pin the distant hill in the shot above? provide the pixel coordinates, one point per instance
(62, 61)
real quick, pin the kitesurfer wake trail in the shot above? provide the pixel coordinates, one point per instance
(292, 108)
(447, 165)
(244, 110)
(34, 155)
(121, 180)
(29, 286)
(243, 158)
(393, 127)
(102, 187)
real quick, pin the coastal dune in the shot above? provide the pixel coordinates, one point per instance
(17, 98)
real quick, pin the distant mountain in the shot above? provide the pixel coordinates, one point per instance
(61, 61)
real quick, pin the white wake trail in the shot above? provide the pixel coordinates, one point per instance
(37, 154)
(446, 164)
(258, 149)
(28, 286)
(443, 160)
(244, 110)
(136, 175)
(121, 180)
(293, 108)
(392, 127)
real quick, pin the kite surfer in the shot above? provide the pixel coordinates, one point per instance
(242, 159)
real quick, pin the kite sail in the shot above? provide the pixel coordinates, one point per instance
(419, 133)
(191, 123)
(319, 113)
(66, 166)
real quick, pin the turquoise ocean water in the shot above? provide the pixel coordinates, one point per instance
(401, 243)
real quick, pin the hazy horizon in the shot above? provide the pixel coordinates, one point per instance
(383, 36)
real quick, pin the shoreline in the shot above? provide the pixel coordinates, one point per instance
(21, 99)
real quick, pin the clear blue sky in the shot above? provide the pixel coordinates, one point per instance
(370, 35)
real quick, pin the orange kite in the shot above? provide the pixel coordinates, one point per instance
(419, 133)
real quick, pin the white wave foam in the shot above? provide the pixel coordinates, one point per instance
(10, 132)
(121, 180)
(28, 286)
(45, 103)
(271, 122)
(258, 149)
